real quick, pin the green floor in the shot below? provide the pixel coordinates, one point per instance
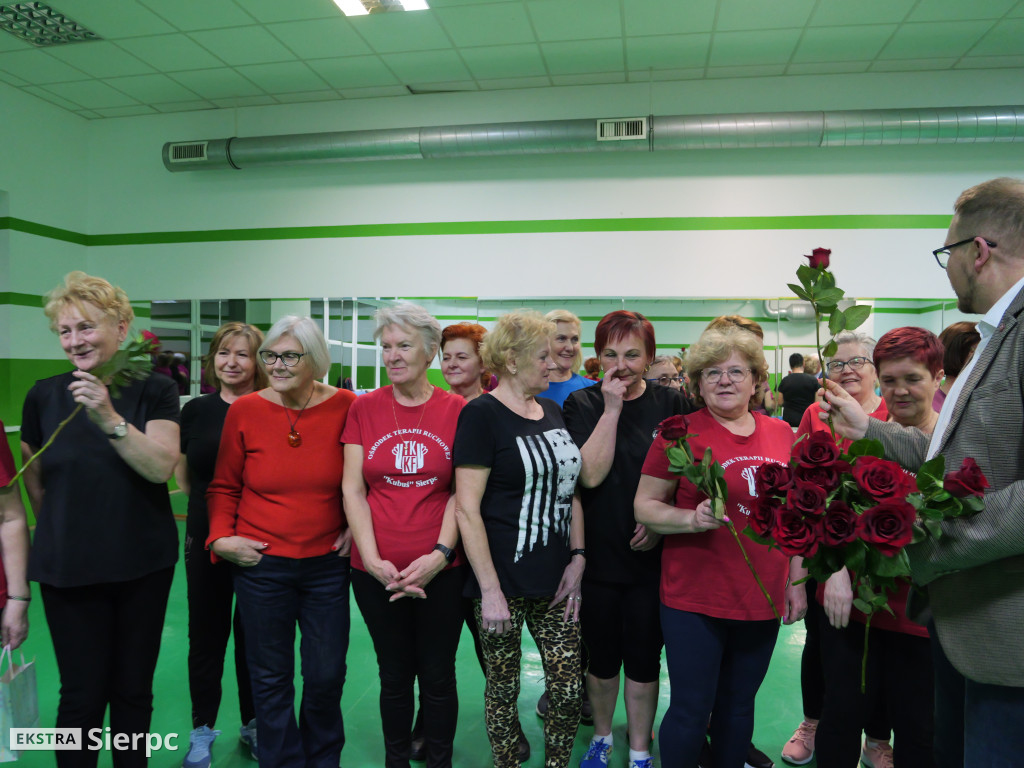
(778, 704)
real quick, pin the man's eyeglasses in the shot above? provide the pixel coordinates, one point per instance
(664, 380)
(288, 358)
(942, 254)
(854, 363)
(714, 375)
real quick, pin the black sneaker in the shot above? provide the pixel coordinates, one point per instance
(757, 759)
(542, 705)
(706, 759)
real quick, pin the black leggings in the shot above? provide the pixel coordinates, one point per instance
(415, 640)
(106, 638)
(210, 595)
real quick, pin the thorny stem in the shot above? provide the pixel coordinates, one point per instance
(750, 565)
(864, 658)
(46, 445)
(821, 361)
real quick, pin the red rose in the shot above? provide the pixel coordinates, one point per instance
(764, 516)
(888, 526)
(881, 479)
(819, 258)
(839, 525)
(797, 534)
(969, 480)
(674, 427)
(825, 477)
(806, 498)
(818, 450)
(772, 479)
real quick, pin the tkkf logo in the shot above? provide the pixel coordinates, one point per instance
(409, 456)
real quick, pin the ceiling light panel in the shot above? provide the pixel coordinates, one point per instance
(41, 25)
(364, 7)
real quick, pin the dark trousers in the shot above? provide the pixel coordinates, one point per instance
(106, 638)
(899, 676)
(415, 640)
(274, 596)
(211, 593)
(977, 725)
(715, 667)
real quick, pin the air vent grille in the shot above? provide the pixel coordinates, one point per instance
(188, 152)
(622, 129)
(41, 25)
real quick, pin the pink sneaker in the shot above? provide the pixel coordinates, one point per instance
(878, 755)
(799, 750)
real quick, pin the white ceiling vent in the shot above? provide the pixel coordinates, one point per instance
(622, 129)
(188, 152)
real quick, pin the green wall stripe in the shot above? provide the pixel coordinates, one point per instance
(907, 310)
(43, 230)
(22, 300)
(534, 226)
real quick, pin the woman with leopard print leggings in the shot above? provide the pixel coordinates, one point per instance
(522, 529)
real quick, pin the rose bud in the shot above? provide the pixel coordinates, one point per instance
(839, 524)
(772, 479)
(818, 450)
(765, 515)
(819, 258)
(796, 534)
(674, 427)
(825, 477)
(888, 526)
(969, 480)
(806, 498)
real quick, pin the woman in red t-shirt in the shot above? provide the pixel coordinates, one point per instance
(14, 590)
(407, 576)
(900, 675)
(719, 630)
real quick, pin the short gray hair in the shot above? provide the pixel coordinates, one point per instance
(310, 337)
(854, 337)
(411, 316)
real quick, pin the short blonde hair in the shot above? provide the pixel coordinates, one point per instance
(515, 335)
(565, 316)
(812, 366)
(716, 345)
(80, 289)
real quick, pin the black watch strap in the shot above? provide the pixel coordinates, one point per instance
(449, 554)
(574, 552)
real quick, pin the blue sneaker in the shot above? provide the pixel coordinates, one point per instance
(644, 762)
(597, 754)
(247, 737)
(199, 743)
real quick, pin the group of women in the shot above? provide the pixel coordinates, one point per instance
(498, 508)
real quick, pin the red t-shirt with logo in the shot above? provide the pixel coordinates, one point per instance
(7, 471)
(407, 467)
(705, 572)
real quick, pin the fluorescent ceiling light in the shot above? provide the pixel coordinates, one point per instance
(363, 7)
(351, 7)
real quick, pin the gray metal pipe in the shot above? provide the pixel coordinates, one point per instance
(847, 128)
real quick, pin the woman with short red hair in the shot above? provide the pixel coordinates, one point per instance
(461, 366)
(613, 424)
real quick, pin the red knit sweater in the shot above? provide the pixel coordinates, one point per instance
(264, 489)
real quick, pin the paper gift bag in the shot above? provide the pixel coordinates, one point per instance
(19, 705)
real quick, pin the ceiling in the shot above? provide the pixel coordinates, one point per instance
(161, 56)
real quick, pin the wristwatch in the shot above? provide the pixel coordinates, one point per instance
(449, 554)
(120, 431)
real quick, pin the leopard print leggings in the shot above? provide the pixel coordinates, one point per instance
(559, 645)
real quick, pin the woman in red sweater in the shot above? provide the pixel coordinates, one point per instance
(276, 514)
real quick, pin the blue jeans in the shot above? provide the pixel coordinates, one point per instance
(977, 725)
(715, 667)
(274, 595)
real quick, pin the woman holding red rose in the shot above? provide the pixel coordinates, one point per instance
(899, 676)
(719, 630)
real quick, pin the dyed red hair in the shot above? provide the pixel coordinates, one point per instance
(620, 324)
(918, 344)
(471, 331)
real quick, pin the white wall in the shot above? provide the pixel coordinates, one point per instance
(130, 191)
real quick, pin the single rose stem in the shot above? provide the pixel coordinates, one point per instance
(864, 658)
(46, 445)
(750, 565)
(821, 361)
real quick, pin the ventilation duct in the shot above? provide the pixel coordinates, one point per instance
(851, 128)
(798, 310)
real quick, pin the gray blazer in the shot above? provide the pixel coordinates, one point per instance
(975, 572)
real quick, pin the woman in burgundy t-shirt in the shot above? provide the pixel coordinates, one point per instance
(14, 589)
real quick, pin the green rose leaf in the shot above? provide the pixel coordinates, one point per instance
(836, 322)
(830, 349)
(798, 291)
(856, 315)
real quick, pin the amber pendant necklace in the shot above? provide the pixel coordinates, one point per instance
(294, 438)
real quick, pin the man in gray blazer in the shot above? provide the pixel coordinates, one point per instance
(974, 575)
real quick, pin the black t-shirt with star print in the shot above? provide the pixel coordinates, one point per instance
(527, 504)
(608, 518)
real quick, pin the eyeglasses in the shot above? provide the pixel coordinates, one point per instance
(854, 363)
(664, 380)
(942, 254)
(714, 375)
(290, 359)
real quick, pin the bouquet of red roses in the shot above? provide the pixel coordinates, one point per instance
(857, 510)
